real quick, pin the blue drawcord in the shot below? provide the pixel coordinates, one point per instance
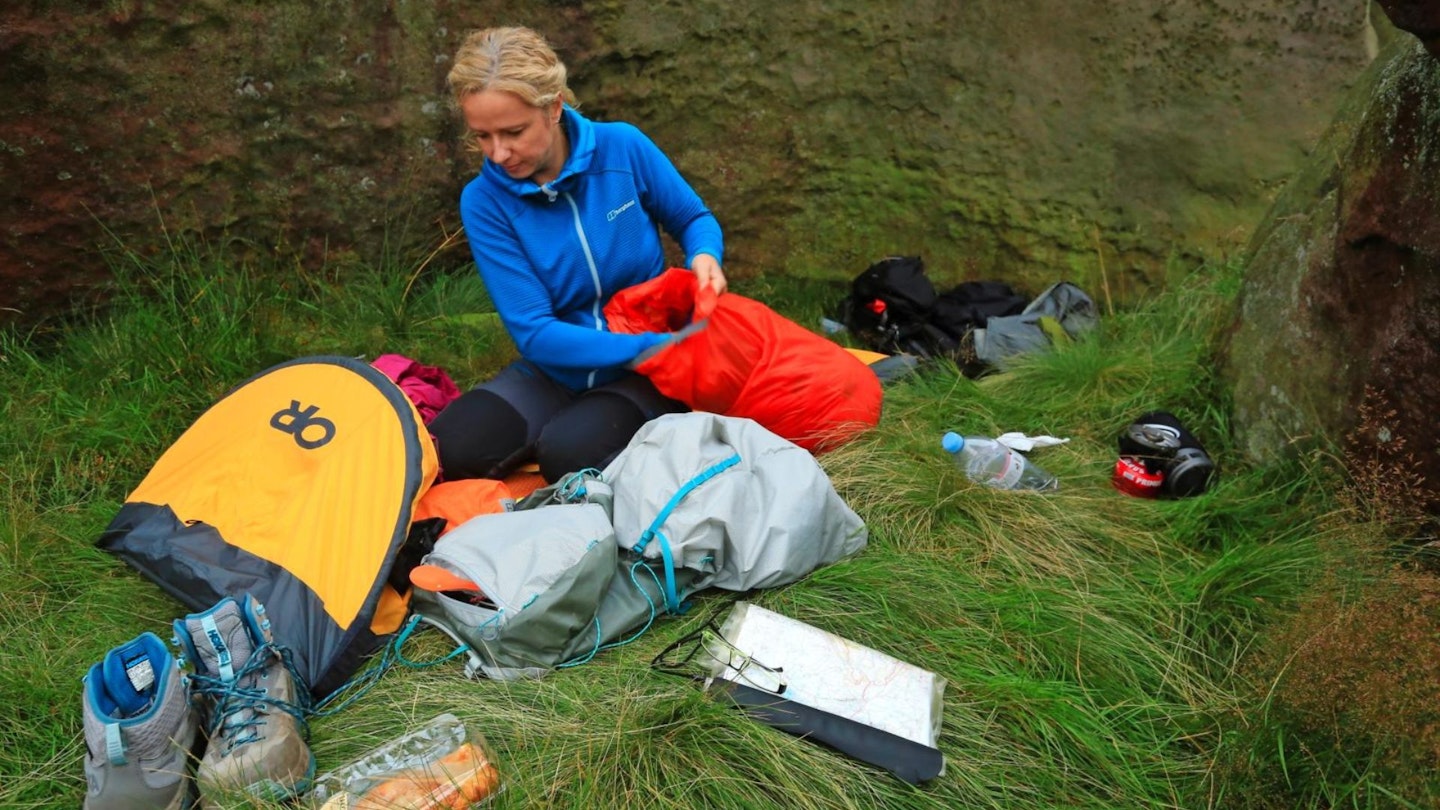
(672, 599)
(362, 683)
(637, 634)
(575, 662)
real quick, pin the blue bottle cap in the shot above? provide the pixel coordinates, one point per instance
(952, 442)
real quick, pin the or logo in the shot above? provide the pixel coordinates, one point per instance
(296, 422)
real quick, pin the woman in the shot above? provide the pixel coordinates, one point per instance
(563, 214)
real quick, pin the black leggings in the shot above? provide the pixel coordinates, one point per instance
(522, 415)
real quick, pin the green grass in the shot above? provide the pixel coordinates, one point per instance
(1100, 651)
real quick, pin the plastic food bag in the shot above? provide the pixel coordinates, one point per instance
(441, 766)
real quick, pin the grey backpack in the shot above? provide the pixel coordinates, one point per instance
(696, 500)
(542, 572)
(728, 500)
(1063, 312)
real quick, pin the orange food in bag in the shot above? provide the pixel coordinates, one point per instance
(454, 782)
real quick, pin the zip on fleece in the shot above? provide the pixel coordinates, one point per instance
(542, 260)
(594, 273)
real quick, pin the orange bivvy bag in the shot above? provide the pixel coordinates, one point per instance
(748, 361)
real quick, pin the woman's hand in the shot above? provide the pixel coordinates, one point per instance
(707, 271)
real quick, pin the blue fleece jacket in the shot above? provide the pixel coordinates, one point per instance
(552, 255)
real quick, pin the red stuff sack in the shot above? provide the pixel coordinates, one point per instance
(748, 361)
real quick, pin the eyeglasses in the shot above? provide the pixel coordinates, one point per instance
(706, 644)
(744, 665)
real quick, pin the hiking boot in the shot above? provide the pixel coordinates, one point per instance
(254, 704)
(139, 730)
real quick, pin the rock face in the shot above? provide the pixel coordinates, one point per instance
(1015, 139)
(1342, 288)
(1418, 17)
(296, 127)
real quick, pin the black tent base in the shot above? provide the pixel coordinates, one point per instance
(906, 759)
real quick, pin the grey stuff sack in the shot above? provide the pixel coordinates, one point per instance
(716, 501)
(1011, 335)
(545, 567)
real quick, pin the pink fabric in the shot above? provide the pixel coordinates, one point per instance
(429, 387)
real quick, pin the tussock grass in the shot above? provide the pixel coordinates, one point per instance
(1099, 649)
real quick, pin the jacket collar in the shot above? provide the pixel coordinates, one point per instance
(582, 151)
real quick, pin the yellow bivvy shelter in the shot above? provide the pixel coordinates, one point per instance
(297, 487)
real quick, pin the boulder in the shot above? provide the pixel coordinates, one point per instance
(1339, 312)
(1418, 17)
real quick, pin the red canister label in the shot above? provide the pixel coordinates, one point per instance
(1132, 478)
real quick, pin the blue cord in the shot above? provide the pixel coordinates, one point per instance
(358, 686)
(404, 636)
(575, 662)
(653, 610)
(672, 599)
(572, 486)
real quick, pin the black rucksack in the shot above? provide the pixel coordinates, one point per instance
(893, 308)
(970, 304)
(889, 308)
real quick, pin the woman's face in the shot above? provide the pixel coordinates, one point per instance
(523, 140)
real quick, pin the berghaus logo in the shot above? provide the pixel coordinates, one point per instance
(618, 211)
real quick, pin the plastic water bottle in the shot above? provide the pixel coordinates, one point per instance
(987, 461)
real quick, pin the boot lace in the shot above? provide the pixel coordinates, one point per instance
(239, 705)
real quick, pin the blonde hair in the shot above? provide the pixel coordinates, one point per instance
(511, 59)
